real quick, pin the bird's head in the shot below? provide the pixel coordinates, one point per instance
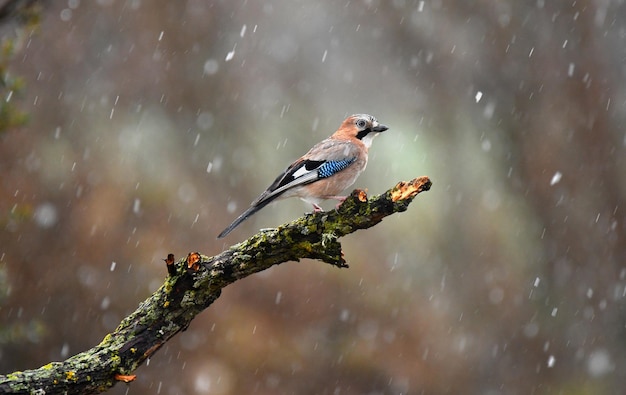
(363, 127)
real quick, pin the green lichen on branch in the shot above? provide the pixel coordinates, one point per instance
(196, 281)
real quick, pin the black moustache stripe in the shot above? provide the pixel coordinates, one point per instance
(363, 133)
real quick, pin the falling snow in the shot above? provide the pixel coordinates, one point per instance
(556, 178)
(150, 129)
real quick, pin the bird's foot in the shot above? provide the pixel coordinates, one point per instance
(340, 199)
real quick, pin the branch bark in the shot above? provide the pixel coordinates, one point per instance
(196, 281)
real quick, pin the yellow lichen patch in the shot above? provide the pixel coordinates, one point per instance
(107, 338)
(116, 359)
(70, 375)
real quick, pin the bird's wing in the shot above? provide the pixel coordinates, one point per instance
(323, 160)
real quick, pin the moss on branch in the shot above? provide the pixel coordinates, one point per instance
(196, 281)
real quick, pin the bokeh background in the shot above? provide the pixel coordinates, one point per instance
(153, 124)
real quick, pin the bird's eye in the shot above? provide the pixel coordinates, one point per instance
(361, 123)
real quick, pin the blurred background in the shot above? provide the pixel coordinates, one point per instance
(152, 125)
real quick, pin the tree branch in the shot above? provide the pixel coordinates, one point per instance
(197, 281)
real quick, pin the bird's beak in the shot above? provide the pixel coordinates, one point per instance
(379, 128)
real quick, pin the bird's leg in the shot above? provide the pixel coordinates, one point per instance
(341, 199)
(316, 208)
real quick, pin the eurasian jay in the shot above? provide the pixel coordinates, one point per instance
(331, 166)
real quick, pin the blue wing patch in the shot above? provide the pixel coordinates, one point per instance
(331, 167)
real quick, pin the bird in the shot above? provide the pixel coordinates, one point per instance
(328, 168)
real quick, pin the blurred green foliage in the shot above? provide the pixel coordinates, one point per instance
(27, 16)
(10, 87)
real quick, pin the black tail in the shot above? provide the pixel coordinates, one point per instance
(244, 216)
